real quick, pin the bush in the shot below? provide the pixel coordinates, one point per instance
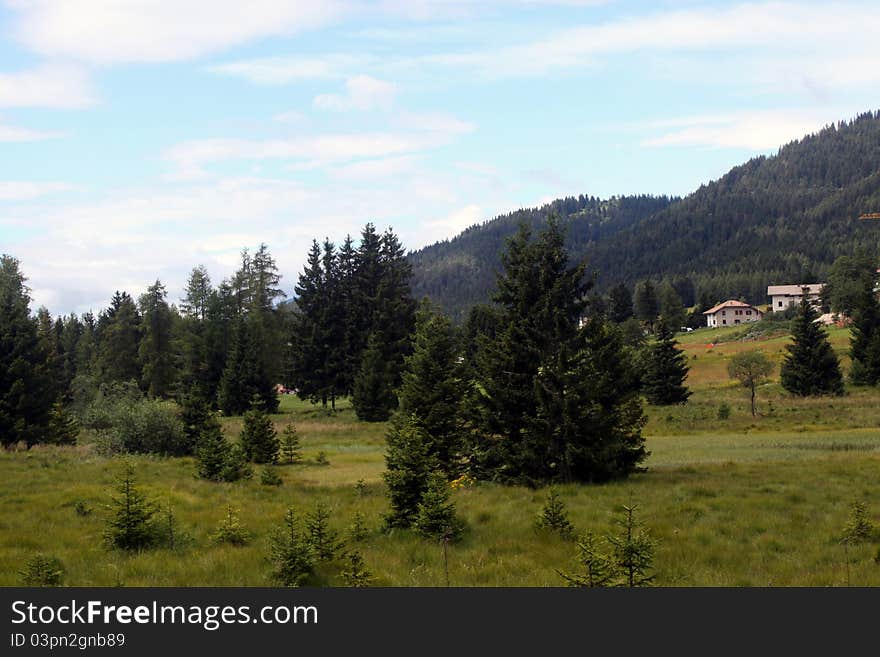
(723, 411)
(436, 513)
(42, 570)
(858, 528)
(269, 476)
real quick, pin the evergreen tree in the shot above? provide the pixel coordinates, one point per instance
(245, 376)
(155, 352)
(291, 557)
(672, 310)
(130, 527)
(633, 549)
(665, 370)
(63, 429)
(646, 303)
(50, 348)
(408, 465)
(373, 396)
(216, 458)
(434, 386)
(356, 574)
(25, 401)
(290, 446)
(810, 367)
(195, 414)
(230, 530)
(120, 335)
(259, 440)
(323, 540)
(347, 299)
(435, 516)
(195, 308)
(554, 516)
(597, 568)
(620, 303)
(865, 338)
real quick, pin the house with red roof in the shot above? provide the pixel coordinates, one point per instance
(732, 312)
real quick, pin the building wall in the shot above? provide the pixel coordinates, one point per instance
(733, 316)
(782, 301)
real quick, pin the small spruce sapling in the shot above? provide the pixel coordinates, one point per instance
(859, 527)
(42, 570)
(358, 530)
(633, 549)
(554, 516)
(290, 553)
(597, 567)
(269, 476)
(356, 575)
(230, 530)
(322, 539)
(131, 525)
(435, 517)
(290, 445)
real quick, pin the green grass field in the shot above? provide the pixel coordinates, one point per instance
(736, 502)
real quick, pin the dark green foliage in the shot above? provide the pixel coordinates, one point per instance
(290, 447)
(373, 396)
(130, 527)
(408, 464)
(751, 369)
(865, 338)
(355, 574)
(119, 331)
(554, 516)
(230, 530)
(665, 370)
(434, 387)
(63, 429)
(323, 540)
(290, 554)
(269, 476)
(259, 440)
(82, 508)
(195, 414)
(597, 568)
(723, 411)
(646, 303)
(810, 367)
(633, 549)
(620, 303)
(435, 516)
(556, 401)
(155, 352)
(216, 459)
(42, 570)
(672, 310)
(321, 458)
(848, 279)
(246, 374)
(25, 395)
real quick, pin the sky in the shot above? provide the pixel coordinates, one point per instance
(141, 138)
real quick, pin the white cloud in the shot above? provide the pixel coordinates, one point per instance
(362, 93)
(289, 117)
(10, 133)
(53, 86)
(757, 131)
(119, 31)
(450, 225)
(284, 70)
(25, 190)
(376, 169)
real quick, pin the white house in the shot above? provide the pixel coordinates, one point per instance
(732, 312)
(784, 296)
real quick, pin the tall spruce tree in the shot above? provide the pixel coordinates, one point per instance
(119, 339)
(408, 464)
(665, 370)
(646, 304)
(434, 387)
(620, 303)
(373, 395)
(865, 337)
(25, 399)
(810, 367)
(259, 440)
(156, 352)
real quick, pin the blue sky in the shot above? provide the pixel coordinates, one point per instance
(141, 138)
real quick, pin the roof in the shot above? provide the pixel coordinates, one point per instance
(730, 304)
(794, 290)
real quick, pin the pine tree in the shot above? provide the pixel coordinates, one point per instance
(597, 568)
(130, 527)
(435, 516)
(259, 440)
(810, 367)
(230, 530)
(195, 414)
(290, 447)
(212, 452)
(646, 303)
(290, 555)
(865, 338)
(269, 476)
(120, 335)
(25, 402)
(356, 574)
(633, 549)
(554, 516)
(434, 386)
(408, 466)
(194, 353)
(358, 530)
(620, 303)
(373, 397)
(665, 370)
(155, 351)
(63, 429)
(322, 539)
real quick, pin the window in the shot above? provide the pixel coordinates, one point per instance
(748, 312)
(724, 314)
(736, 321)
(724, 321)
(779, 304)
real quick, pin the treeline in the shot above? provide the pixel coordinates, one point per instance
(773, 220)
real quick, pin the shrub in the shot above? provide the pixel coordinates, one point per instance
(858, 528)
(723, 411)
(82, 508)
(436, 517)
(321, 459)
(259, 440)
(554, 517)
(42, 570)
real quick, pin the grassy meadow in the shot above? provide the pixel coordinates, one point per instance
(741, 501)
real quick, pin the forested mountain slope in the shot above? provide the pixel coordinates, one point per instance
(773, 220)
